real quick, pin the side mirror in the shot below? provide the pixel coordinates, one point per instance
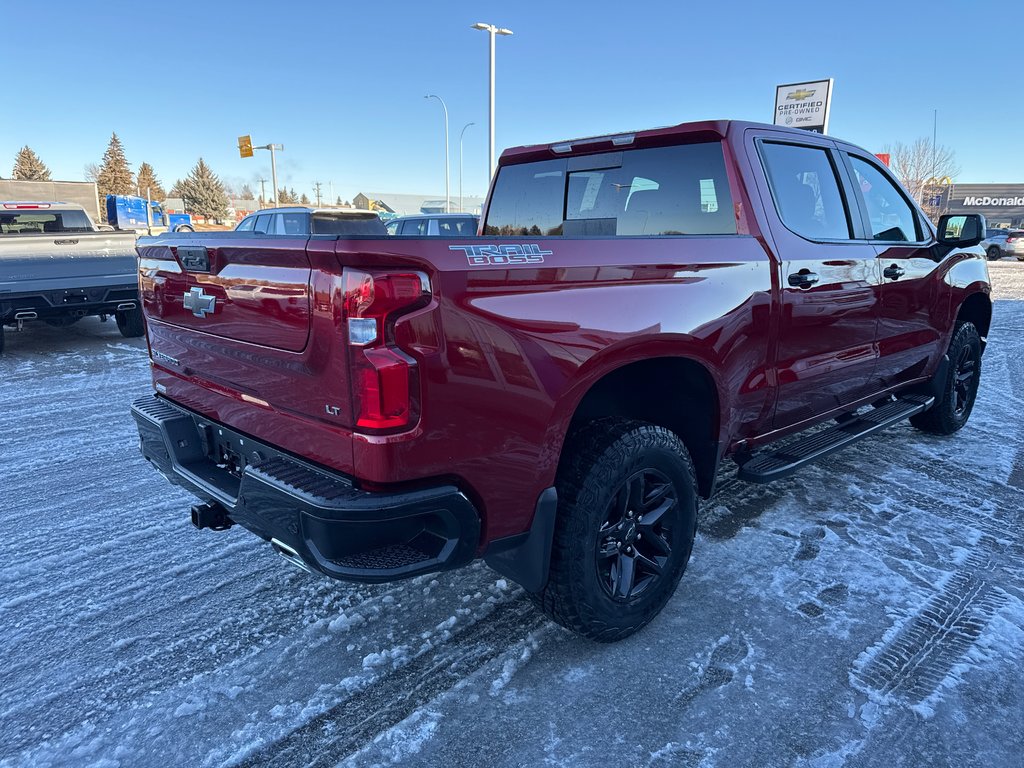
(961, 230)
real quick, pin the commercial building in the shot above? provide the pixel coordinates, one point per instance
(1001, 204)
(405, 205)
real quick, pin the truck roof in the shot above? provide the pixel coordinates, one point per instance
(708, 130)
(313, 209)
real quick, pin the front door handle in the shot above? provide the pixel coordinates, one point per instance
(894, 272)
(803, 279)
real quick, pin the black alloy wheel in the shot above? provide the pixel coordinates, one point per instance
(958, 388)
(964, 387)
(627, 516)
(635, 542)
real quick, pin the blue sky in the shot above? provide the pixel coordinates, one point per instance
(341, 85)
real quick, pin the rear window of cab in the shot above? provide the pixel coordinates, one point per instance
(662, 191)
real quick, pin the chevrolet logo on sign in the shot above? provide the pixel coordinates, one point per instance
(199, 303)
(799, 95)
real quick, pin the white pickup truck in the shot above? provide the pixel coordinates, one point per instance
(58, 267)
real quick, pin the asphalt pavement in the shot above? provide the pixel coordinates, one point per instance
(867, 612)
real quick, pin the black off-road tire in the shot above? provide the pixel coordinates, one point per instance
(960, 389)
(131, 323)
(605, 460)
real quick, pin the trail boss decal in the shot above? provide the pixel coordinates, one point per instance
(501, 255)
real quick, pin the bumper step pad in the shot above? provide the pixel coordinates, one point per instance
(311, 514)
(789, 458)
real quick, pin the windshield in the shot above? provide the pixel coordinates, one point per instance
(43, 222)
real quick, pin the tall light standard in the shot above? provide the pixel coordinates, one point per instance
(492, 30)
(447, 185)
(462, 208)
(273, 164)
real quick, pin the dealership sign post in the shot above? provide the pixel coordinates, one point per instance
(804, 105)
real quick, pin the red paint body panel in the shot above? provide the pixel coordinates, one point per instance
(504, 354)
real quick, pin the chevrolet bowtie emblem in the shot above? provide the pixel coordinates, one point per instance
(800, 95)
(199, 302)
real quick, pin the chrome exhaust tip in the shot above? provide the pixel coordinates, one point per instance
(26, 315)
(125, 306)
(290, 555)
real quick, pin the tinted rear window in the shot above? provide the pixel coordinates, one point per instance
(41, 222)
(348, 225)
(680, 190)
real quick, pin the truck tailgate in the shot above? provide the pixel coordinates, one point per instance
(231, 289)
(36, 263)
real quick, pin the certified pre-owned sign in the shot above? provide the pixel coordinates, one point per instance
(804, 105)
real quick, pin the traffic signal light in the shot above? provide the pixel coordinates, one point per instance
(245, 146)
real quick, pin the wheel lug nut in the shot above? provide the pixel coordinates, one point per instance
(639, 536)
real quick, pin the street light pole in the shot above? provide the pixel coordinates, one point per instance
(492, 31)
(273, 164)
(462, 208)
(447, 185)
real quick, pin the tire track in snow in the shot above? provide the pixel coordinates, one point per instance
(917, 655)
(331, 736)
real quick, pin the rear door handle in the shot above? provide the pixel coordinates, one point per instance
(803, 279)
(894, 272)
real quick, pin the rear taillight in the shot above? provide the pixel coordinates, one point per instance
(1011, 239)
(384, 380)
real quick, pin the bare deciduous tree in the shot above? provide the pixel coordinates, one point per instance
(924, 169)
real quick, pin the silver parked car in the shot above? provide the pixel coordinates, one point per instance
(1004, 242)
(435, 225)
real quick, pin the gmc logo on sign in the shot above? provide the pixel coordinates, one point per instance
(501, 255)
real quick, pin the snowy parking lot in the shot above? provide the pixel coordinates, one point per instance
(867, 612)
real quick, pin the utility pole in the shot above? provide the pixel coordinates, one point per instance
(263, 191)
(316, 186)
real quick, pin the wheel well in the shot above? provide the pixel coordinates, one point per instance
(977, 308)
(672, 392)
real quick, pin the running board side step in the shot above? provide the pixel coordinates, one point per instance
(789, 458)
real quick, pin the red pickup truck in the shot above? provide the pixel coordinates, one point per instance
(556, 394)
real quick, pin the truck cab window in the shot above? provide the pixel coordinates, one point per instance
(678, 190)
(806, 191)
(263, 222)
(892, 218)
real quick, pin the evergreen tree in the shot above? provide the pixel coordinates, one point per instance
(247, 193)
(284, 197)
(304, 200)
(146, 180)
(115, 176)
(177, 189)
(293, 196)
(338, 201)
(28, 166)
(204, 193)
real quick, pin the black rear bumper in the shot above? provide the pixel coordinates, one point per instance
(70, 302)
(319, 516)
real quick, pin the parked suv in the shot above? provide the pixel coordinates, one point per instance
(435, 225)
(557, 395)
(303, 220)
(1003, 242)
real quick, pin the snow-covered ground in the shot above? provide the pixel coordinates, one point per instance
(868, 612)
